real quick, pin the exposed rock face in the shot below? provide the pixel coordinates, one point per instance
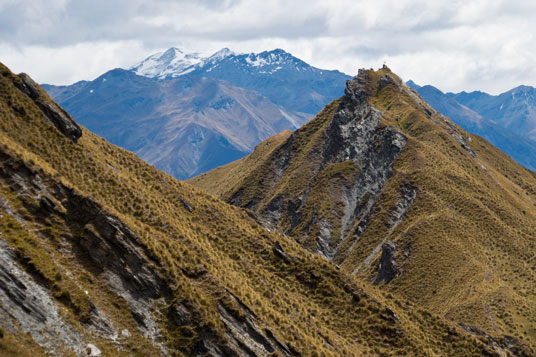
(503, 346)
(250, 339)
(387, 269)
(105, 242)
(278, 251)
(24, 301)
(355, 134)
(51, 111)
(407, 195)
(115, 253)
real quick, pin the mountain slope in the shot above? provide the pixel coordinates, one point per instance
(393, 192)
(484, 122)
(103, 254)
(183, 126)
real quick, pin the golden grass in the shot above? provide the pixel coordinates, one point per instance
(469, 235)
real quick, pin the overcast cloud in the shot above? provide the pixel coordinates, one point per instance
(454, 45)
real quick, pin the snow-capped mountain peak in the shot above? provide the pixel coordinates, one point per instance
(225, 64)
(221, 54)
(171, 63)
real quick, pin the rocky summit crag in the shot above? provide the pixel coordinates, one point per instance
(102, 254)
(393, 192)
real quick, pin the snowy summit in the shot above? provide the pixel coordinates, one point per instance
(175, 62)
(171, 63)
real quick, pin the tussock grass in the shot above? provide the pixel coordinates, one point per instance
(466, 247)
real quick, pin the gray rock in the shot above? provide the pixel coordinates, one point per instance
(93, 351)
(251, 336)
(186, 205)
(503, 346)
(26, 305)
(279, 252)
(387, 269)
(52, 112)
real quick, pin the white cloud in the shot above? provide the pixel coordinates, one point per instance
(454, 45)
(69, 64)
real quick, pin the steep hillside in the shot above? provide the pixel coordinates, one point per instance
(393, 192)
(483, 119)
(284, 79)
(184, 126)
(102, 254)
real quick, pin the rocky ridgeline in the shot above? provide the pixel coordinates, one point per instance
(354, 134)
(51, 111)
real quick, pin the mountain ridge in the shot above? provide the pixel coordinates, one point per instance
(390, 190)
(276, 74)
(184, 125)
(206, 117)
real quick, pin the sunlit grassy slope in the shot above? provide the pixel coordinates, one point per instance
(206, 251)
(465, 248)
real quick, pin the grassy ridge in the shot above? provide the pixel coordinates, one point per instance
(465, 247)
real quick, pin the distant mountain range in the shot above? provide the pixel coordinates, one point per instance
(187, 114)
(507, 120)
(281, 77)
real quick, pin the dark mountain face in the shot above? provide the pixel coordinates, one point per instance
(184, 126)
(507, 121)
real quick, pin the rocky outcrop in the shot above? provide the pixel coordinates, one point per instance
(26, 305)
(105, 243)
(407, 195)
(51, 111)
(279, 252)
(355, 134)
(504, 345)
(247, 334)
(387, 269)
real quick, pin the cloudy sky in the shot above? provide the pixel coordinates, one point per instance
(454, 45)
